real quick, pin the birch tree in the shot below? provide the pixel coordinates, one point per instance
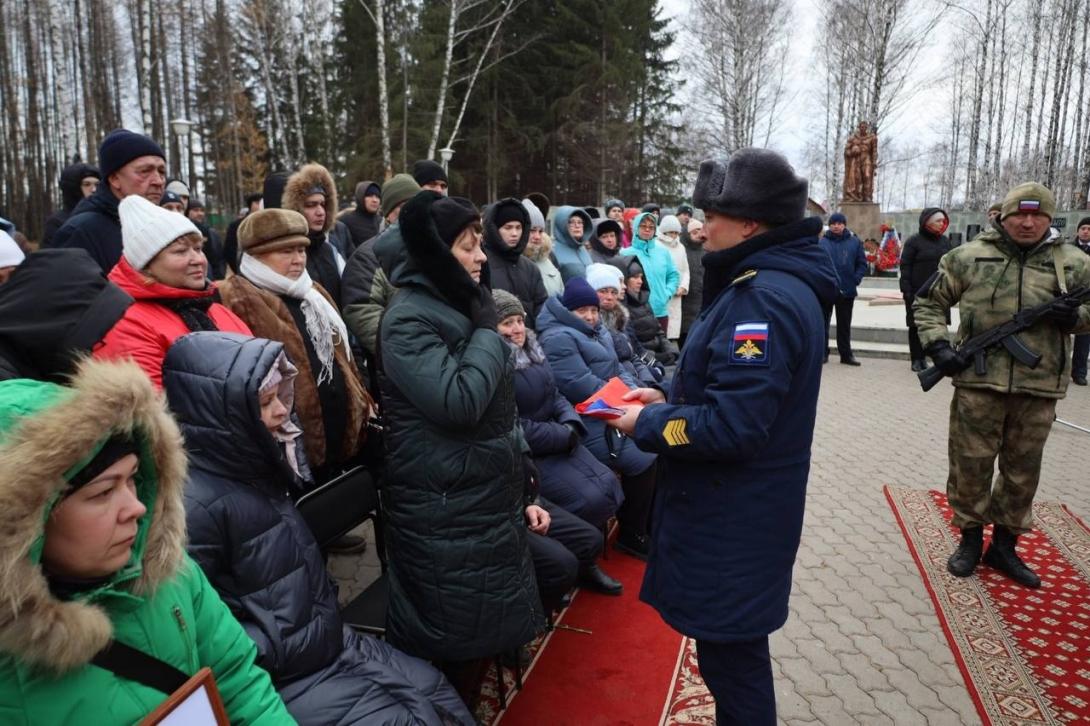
(736, 56)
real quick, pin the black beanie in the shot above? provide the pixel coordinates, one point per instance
(1084, 220)
(274, 189)
(452, 215)
(170, 198)
(579, 294)
(509, 211)
(426, 170)
(115, 448)
(122, 146)
(651, 207)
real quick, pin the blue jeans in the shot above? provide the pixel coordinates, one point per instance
(739, 676)
(1079, 353)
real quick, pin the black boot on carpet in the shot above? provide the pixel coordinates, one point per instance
(1001, 555)
(918, 365)
(592, 578)
(967, 555)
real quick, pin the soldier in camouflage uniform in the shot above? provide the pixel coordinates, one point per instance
(1007, 411)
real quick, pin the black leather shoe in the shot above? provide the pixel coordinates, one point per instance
(967, 555)
(918, 365)
(349, 544)
(592, 578)
(850, 361)
(1079, 380)
(636, 545)
(1001, 555)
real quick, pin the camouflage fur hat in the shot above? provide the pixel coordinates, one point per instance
(1029, 197)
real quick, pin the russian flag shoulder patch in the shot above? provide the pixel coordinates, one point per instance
(749, 343)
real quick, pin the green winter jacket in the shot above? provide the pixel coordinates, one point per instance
(159, 603)
(461, 580)
(990, 279)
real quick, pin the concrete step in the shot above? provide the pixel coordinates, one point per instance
(881, 283)
(867, 349)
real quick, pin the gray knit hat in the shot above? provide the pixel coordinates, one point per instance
(756, 184)
(507, 305)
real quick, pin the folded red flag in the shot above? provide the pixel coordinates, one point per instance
(608, 401)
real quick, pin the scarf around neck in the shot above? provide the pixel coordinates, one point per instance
(325, 328)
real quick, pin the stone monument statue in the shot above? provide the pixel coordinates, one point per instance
(860, 158)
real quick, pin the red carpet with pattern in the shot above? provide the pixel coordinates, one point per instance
(1025, 654)
(632, 669)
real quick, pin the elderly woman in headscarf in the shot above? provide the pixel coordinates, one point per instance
(275, 295)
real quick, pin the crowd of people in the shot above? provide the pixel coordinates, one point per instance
(167, 396)
(269, 361)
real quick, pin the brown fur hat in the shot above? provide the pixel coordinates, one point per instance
(36, 452)
(303, 183)
(267, 230)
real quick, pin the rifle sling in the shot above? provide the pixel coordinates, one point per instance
(1059, 265)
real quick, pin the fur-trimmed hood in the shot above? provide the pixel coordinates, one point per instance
(298, 189)
(46, 432)
(540, 252)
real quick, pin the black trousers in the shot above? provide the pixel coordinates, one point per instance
(843, 307)
(1079, 352)
(634, 514)
(570, 545)
(739, 676)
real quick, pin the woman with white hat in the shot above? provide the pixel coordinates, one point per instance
(164, 269)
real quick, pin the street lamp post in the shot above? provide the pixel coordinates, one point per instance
(182, 128)
(446, 153)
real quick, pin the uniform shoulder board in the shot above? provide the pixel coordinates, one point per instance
(744, 277)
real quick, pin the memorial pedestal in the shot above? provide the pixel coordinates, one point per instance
(864, 218)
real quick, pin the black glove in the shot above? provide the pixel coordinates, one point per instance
(1065, 314)
(482, 310)
(574, 438)
(946, 359)
(531, 479)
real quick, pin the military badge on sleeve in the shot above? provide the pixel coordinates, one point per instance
(749, 344)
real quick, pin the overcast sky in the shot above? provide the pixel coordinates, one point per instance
(918, 123)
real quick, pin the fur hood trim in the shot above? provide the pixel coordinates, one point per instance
(35, 455)
(298, 188)
(541, 251)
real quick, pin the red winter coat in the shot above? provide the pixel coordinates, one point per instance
(148, 329)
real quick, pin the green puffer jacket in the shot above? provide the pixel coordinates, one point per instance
(159, 602)
(990, 279)
(461, 580)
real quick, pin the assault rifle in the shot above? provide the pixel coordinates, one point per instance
(1005, 335)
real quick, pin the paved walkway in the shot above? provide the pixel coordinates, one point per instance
(863, 644)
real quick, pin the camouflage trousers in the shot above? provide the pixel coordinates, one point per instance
(985, 424)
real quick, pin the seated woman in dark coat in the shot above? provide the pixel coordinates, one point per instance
(582, 357)
(579, 493)
(233, 396)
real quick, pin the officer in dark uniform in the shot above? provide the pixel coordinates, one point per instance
(734, 436)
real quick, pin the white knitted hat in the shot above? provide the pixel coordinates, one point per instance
(146, 229)
(600, 275)
(10, 253)
(669, 223)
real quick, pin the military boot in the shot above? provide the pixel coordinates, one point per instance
(967, 555)
(1001, 555)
